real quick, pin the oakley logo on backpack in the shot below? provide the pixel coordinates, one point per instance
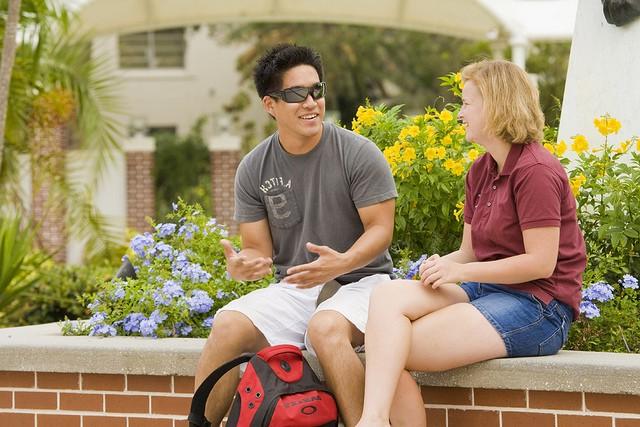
(278, 389)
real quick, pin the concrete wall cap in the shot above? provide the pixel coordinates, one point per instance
(42, 348)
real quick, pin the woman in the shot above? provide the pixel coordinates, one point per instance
(520, 262)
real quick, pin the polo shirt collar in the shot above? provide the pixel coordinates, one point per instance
(512, 159)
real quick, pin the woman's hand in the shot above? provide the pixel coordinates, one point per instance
(436, 271)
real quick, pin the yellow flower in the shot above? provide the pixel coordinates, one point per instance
(459, 130)
(607, 125)
(458, 211)
(550, 148)
(561, 147)
(473, 154)
(624, 147)
(412, 131)
(441, 152)
(445, 116)
(458, 168)
(367, 116)
(576, 183)
(458, 77)
(449, 164)
(409, 155)
(637, 144)
(447, 140)
(430, 153)
(580, 144)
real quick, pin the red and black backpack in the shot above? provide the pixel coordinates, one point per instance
(277, 389)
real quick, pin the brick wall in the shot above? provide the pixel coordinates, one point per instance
(140, 189)
(478, 407)
(40, 399)
(223, 170)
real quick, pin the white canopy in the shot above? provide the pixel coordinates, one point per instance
(515, 21)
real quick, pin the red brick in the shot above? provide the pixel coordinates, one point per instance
(46, 420)
(181, 423)
(170, 405)
(92, 421)
(150, 422)
(497, 397)
(555, 400)
(527, 419)
(627, 422)
(81, 402)
(183, 384)
(446, 395)
(583, 421)
(110, 382)
(619, 403)
(17, 379)
(17, 420)
(149, 383)
(461, 418)
(35, 400)
(6, 399)
(127, 403)
(58, 380)
(436, 417)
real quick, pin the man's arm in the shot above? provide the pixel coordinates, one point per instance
(377, 220)
(253, 262)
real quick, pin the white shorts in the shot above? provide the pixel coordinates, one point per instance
(281, 312)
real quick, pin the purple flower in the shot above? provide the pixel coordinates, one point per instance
(221, 294)
(174, 206)
(193, 272)
(118, 293)
(162, 251)
(183, 329)
(102, 329)
(199, 302)
(141, 243)
(92, 306)
(414, 268)
(165, 230)
(599, 291)
(173, 289)
(149, 326)
(180, 261)
(187, 230)
(589, 309)
(132, 322)
(208, 322)
(629, 282)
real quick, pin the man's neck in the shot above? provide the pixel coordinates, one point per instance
(298, 145)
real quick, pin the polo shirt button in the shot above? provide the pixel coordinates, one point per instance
(489, 204)
(494, 187)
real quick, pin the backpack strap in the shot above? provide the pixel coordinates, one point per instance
(199, 401)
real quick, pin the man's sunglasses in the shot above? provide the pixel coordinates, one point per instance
(295, 95)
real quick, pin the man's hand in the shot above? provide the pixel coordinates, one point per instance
(436, 271)
(241, 267)
(329, 265)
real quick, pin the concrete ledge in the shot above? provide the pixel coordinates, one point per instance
(42, 348)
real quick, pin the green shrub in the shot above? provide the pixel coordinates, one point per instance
(58, 294)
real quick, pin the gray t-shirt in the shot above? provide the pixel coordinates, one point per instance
(314, 197)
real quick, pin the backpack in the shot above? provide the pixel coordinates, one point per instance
(278, 389)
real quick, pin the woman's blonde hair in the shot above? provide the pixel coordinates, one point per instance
(511, 101)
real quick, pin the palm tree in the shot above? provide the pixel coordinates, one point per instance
(57, 89)
(6, 65)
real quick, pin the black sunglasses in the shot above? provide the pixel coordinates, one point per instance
(294, 95)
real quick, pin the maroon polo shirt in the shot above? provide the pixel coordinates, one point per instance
(531, 191)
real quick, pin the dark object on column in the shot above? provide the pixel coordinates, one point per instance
(126, 270)
(620, 12)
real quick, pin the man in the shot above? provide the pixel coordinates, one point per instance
(316, 201)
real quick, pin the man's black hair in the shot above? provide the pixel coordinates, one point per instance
(268, 72)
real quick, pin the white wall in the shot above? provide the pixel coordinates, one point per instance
(178, 97)
(602, 76)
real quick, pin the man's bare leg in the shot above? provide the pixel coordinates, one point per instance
(333, 338)
(231, 335)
